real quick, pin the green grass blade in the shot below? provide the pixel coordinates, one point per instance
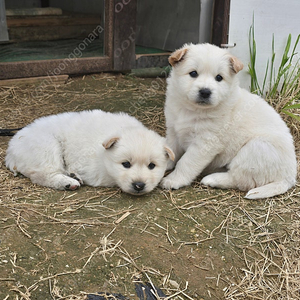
(272, 62)
(293, 106)
(291, 115)
(295, 46)
(284, 83)
(254, 87)
(265, 78)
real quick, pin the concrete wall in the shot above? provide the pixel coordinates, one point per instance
(270, 17)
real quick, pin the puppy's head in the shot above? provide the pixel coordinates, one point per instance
(204, 74)
(137, 160)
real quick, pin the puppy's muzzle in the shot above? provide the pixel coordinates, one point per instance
(138, 186)
(204, 96)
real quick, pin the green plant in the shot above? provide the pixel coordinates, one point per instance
(284, 84)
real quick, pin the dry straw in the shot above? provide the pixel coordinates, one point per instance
(263, 236)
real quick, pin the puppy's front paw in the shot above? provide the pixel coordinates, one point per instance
(172, 182)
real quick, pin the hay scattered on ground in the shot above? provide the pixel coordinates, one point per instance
(234, 248)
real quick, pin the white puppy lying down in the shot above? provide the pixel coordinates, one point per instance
(96, 148)
(212, 123)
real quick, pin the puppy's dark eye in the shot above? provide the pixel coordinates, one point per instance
(151, 166)
(126, 164)
(219, 78)
(193, 74)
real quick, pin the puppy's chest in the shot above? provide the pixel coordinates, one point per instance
(190, 129)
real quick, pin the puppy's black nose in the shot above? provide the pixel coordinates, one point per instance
(138, 186)
(205, 93)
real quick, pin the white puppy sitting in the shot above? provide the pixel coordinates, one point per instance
(96, 148)
(213, 124)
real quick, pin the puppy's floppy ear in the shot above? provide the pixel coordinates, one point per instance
(236, 64)
(110, 142)
(170, 153)
(177, 56)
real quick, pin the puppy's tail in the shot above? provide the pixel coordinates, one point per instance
(269, 190)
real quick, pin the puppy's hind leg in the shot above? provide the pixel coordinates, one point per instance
(56, 181)
(50, 169)
(222, 180)
(77, 177)
(64, 182)
(266, 170)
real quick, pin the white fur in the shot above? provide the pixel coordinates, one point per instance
(236, 130)
(92, 145)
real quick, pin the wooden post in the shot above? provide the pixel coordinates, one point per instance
(3, 25)
(124, 34)
(220, 22)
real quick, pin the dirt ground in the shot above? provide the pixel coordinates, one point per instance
(193, 243)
